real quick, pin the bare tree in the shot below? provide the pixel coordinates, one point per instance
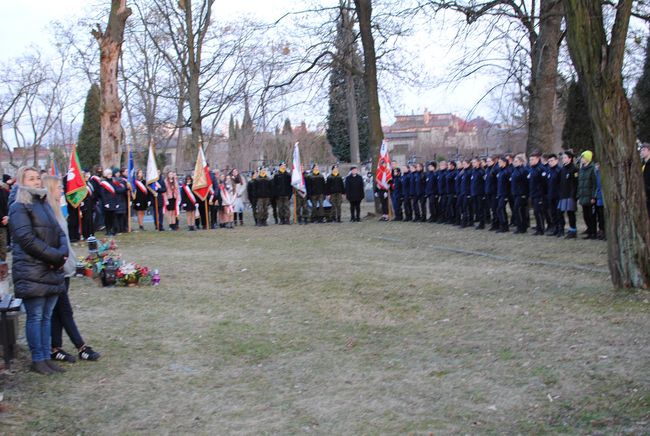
(110, 45)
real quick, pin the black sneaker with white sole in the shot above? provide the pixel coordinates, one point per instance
(62, 356)
(88, 353)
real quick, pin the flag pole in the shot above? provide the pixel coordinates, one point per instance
(81, 233)
(155, 211)
(295, 203)
(128, 211)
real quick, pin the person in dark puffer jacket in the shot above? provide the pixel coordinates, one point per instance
(40, 249)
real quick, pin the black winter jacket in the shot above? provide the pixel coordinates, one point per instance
(334, 185)
(282, 184)
(39, 248)
(354, 189)
(315, 184)
(263, 187)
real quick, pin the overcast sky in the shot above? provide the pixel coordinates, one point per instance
(25, 23)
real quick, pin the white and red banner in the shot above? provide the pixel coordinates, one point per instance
(384, 173)
(297, 177)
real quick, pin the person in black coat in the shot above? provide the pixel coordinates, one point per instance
(442, 191)
(451, 193)
(491, 171)
(108, 193)
(431, 190)
(283, 190)
(189, 203)
(334, 188)
(40, 249)
(406, 194)
(4, 219)
(354, 192)
(159, 188)
(568, 195)
(142, 198)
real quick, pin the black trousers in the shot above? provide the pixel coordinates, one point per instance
(502, 213)
(214, 211)
(62, 318)
(397, 207)
(600, 217)
(539, 209)
(491, 203)
(554, 213)
(415, 205)
(460, 199)
(478, 202)
(110, 222)
(408, 209)
(521, 212)
(384, 204)
(355, 210)
(423, 208)
(433, 208)
(589, 214)
(254, 208)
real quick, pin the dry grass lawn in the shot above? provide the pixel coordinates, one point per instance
(371, 328)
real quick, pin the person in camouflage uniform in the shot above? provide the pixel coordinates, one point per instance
(283, 190)
(263, 191)
(334, 188)
(316, 191)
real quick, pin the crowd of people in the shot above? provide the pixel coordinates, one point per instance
(493, 193)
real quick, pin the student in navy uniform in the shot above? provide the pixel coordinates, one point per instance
(414, 191)
(396, 194)
(491, 171)
(458, 189)
(568, 194)
(519, 190)
(451, 193)
(431, 191)
(354, 192)
(420, 191)
(503, 193)
(537, 191)
(466, 214)
(553, 194)
(442, 191)
(406, 194)
(477, 191)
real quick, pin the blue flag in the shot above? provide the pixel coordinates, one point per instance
(131, 170)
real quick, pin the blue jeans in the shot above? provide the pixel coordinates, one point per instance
(38, 326)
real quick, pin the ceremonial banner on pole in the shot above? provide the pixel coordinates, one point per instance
(152, 169)
(297, 177)
(202, 180)
(75, 188)
(384, 173)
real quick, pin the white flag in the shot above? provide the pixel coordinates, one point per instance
(297, 178)
(152, 168)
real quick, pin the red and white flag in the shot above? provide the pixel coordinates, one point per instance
(297, 177)
(384, 174)
(202, 180)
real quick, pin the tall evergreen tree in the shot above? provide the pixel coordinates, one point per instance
(577, 133)
(89, 140)
(232, 130)
(642, 100)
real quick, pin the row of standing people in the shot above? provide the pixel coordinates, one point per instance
(478, 192)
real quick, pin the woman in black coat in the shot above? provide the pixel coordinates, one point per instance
(141, 198)
(354, 192)
(40, 249)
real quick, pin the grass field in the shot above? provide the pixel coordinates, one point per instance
(368, 328)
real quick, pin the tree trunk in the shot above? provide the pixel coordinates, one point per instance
(543, 78)
(110, 47)
(349, 48)
(599, 67)
(364, 14)
(353, 119)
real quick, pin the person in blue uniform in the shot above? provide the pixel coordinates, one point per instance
(396, 194)
(442, 191)
(466, 212)
(568, 195)
(406, 194)
(477, 191)
(519, 190)
(553, 194)
(431, 191)
(491, 171)
(451, 193)
(414, 192)
(537, 191)
(503, 193)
